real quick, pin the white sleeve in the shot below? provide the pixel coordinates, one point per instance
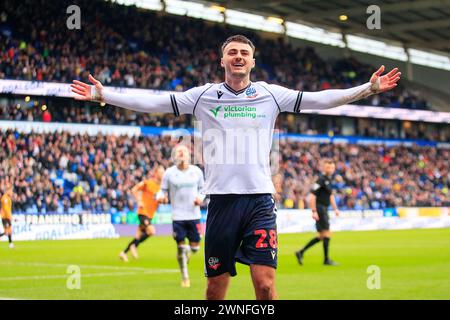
(165, 181)
(201, 183)
(287, 100)
(164, 187)
(332, 98)
(176, 103)
(185, 102)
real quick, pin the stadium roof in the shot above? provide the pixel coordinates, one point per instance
(421, 24)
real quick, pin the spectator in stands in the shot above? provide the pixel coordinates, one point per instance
(46, 116)
(156, 51)
(94, 178)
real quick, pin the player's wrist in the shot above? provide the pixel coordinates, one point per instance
(97, 94)
(374, 86)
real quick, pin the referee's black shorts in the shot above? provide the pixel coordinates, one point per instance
(324, 220)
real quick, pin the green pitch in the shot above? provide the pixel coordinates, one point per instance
(414, 264)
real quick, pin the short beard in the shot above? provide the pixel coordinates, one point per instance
(239, 75)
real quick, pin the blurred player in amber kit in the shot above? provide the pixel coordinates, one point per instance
(321, 198)
(6, 214)
(182, 183)
(145, 194)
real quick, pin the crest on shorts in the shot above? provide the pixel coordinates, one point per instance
(214, 263)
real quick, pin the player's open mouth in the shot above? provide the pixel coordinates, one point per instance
(238, 65)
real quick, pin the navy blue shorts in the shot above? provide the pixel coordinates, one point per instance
(190, 229)
(240, 228)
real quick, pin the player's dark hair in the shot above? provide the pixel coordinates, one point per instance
(238, 38)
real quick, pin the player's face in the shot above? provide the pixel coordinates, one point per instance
(329, 168)
(237, 60)
(182, 155)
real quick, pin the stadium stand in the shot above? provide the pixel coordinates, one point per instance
(59, 172)
(136, 52)
(61, 110)
(75, 173)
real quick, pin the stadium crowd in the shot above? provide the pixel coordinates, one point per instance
(70, 112)
(108, 115)
(59, 172)
(159, 51)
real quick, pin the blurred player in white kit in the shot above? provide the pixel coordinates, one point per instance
(182, 184)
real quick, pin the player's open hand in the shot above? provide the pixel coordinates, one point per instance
(337, 213)
(86, 92)
(384, 83)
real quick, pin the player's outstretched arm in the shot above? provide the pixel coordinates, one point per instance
(327, 99)
(137, 102)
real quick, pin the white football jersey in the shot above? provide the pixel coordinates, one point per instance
(236, 127)
(237, 130)
(183, 187)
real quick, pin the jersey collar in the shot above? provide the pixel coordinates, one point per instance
(234, 91)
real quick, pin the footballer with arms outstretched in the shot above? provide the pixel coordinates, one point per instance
(182, 183)
(241, 220)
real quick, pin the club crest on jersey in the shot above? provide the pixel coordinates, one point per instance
(251, 92)
(219, 94)
(214, 263)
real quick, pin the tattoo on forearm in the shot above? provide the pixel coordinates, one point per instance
(360, 94)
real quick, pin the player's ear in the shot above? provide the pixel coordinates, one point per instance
(254, 63)
(222, 63)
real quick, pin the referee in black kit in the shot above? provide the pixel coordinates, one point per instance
(321, 198)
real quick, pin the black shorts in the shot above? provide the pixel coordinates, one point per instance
(240, 228)
(190, 229)
(324, 220)
(144, 221)
(6, 223)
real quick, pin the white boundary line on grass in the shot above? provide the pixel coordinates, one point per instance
(89, 275)
(65, 265)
